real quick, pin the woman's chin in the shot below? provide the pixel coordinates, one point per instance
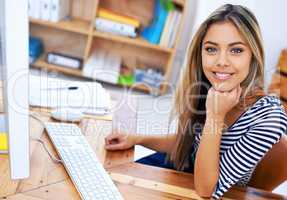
(223, 87)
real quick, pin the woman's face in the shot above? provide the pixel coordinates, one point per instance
(226, 56)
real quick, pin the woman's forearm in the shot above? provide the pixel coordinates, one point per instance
(160, 143)
(207, 157)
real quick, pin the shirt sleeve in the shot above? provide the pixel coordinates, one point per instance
(241, 158)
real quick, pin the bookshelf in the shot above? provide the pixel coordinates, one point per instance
(78, 37)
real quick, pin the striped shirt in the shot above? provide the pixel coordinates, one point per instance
(246, 142)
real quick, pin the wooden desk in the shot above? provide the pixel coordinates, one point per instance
(50, 181)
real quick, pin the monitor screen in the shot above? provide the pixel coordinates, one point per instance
(14, 82)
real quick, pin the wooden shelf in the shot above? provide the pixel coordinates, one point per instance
(42, 64)
(79, 38)
(74, 25)
(133, 41)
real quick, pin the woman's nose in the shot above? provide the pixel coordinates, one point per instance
(222, 59)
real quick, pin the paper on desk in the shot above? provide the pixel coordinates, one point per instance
(90, 97)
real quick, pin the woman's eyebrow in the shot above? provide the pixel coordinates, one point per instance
(209, 42)
(230, 44)
(235, 43)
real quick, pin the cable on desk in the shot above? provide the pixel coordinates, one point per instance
(34, 115)
(53, 158)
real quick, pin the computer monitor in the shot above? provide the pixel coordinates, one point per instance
(14, 69)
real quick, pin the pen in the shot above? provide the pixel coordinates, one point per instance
(63, 88)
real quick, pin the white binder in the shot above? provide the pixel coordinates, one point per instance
(45, 9)
(59, 10)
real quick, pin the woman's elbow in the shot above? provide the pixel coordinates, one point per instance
(204, 192)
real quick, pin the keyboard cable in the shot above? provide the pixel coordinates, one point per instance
(53, 158)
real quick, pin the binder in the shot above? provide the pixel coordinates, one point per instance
(34, 9)
(45, 9)
(153, 32)
(59, 10)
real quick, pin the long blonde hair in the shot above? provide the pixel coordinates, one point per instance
(188, 108)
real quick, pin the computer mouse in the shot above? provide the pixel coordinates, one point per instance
(67, 114)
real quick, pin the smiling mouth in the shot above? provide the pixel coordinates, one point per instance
(222, 75)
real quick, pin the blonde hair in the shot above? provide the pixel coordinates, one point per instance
(191, 111)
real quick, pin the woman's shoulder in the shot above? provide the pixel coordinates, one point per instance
(266, 104)
(269, 116)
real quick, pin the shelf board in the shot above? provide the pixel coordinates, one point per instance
(42, 64)
(133, 41)
(74, 25)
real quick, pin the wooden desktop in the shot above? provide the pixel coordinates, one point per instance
(49, 180)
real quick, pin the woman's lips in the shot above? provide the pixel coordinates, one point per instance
(222, 76)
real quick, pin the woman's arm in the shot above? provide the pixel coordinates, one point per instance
(206, 172)
(160, 143)
(207, 157)
(121, 141)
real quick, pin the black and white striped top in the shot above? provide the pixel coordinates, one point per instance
(246, 142)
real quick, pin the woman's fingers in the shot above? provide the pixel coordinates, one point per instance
(117, 146)
(112, 137)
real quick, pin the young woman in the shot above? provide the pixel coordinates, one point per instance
(226, 124)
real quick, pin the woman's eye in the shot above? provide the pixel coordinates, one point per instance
(210, 49)
(236, 50)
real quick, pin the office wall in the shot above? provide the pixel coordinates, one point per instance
(270, 14)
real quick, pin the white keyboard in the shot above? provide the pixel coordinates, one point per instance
(81, 163)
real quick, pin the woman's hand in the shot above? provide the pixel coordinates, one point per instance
(119, 141)
(218, 104)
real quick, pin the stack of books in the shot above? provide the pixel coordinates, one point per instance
(165, 25)
(171, 27)
(103, 66)
(115, 23)
(51, 10)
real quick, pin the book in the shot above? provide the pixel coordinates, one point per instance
(166, 31)
(64, 60)
(109, 26)
(111, 15)
(175, 29)
(59, 10)
(104, 66)
(152, 33)
(3, 143)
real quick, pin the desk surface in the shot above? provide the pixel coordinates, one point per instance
(135, 181)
